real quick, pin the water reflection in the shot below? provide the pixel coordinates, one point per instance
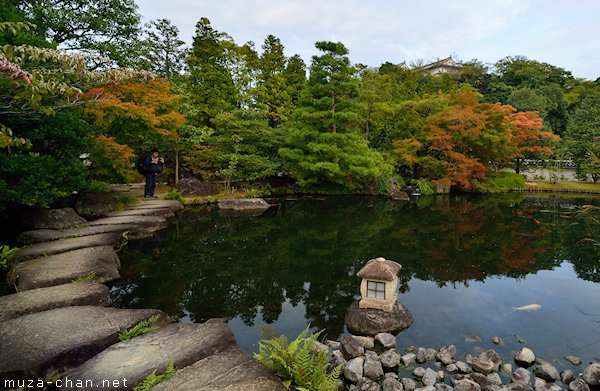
(466, 261)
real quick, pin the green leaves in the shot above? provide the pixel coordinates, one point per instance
(143, 327)
(298, 363)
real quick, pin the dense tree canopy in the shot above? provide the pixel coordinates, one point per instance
(256, 116)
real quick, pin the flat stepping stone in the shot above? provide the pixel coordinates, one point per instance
(157, 204)
(161, 212)
(229, 370)
(60, 246)
(43, 299)
(48, 235)
(147, 223)
(135, 359)
(62, 337)
(103, 262)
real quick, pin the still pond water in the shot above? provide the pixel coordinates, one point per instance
(467, 261)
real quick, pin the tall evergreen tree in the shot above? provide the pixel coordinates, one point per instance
(210, 85)
(295, 76)
(325, 147)
(166, 51)
(271, 93)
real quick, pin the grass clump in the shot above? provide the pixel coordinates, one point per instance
(144, 327)
(88, 278)
(500, 182)
(153, 379)
(174, 194)
(298, 363)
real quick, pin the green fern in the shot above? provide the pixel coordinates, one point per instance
(139, 329)
(153, 379)
(297, 363)
(6, 256)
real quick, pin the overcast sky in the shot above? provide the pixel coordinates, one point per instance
(562, 33)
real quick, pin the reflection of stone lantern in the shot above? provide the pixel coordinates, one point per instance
(379, 286)
(378, 310)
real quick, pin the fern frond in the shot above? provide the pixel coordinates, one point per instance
(141, 328)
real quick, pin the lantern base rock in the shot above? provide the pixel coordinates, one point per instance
(369, 321)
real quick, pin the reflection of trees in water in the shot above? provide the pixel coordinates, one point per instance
(207, 265)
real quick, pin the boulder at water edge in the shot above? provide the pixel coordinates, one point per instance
(369, 321)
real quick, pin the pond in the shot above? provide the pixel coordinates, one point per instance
(468, 261)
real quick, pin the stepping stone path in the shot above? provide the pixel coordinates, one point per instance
(42, 299)
(40, 250)
(99, 263)
(62, 337)
(134, 359)
(53, 323)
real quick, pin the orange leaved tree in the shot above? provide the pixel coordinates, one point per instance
(140, 115)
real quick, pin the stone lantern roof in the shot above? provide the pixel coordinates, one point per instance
(380, 269)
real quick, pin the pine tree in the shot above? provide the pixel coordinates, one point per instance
(211, 89)
(325, 147)
(295, 76)
(271, 93)
(166, 51)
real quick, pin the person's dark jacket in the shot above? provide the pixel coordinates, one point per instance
(150, 167)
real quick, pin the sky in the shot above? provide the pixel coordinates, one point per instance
(562, 33)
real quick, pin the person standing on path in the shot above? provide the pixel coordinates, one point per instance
(152, 166)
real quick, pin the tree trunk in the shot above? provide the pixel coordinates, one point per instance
(176, 166)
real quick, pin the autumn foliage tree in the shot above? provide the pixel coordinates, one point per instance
(139, 115)
(461, 143)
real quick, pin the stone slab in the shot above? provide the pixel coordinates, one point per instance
(62, 337)
(173, 205)
(63, 268)
(43, 299)
(60, 246)
(232, 370)
(161, 212)
(47, 235)
(135, 359)
(243, 203)
(147, 223)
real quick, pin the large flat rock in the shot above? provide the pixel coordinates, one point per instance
(243, 204)
(232, 370)
(161, 212)
(52, 219)
(63, 268)
(63, 337)
(147, 223)
(43, 299)
(157, 204)
(183, 344)
(47, 235)
(60, 246)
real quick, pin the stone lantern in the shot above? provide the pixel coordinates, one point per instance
(378, 310)
(379, 286)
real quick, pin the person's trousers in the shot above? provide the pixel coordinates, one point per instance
(150, 184)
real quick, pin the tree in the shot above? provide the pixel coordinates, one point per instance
(166, 51)
(138, 115)
(272, 93)
(295, 76)
(375, 90)
(583, 137)
(210, 85)
(324, 147)
(99, 29)
(241, 147)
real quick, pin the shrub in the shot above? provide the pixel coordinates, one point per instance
(297, 363)
(174, 194)
(383, 184)
(498, 182)
(425, 186)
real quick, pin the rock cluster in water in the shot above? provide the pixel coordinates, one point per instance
(372, 364)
